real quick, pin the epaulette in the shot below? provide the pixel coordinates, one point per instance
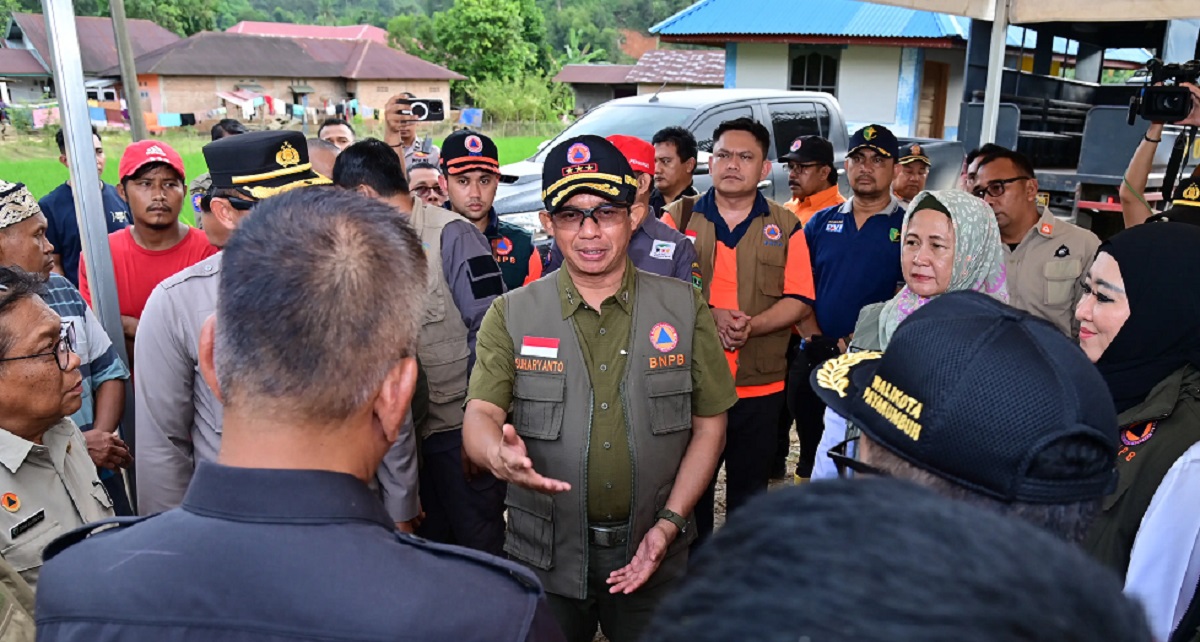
(70, 538)
(522, 575)
(202, 270)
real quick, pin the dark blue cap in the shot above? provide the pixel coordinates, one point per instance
(973, 391)
(876, 137)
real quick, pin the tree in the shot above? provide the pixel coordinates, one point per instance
(482, 39)
(415, 35)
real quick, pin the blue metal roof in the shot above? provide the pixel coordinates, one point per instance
(810, 17)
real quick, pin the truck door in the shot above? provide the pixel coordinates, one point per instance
(789, 121)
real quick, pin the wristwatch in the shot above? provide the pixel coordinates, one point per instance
(674, 518)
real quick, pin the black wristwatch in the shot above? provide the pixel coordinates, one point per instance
(674, 518)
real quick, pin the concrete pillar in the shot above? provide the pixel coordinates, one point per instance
(1089, 63)
(1043, 54)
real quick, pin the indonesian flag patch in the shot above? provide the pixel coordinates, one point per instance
(539, 347)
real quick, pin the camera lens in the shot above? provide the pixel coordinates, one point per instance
(1169, 102)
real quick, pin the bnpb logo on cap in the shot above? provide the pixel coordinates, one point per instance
(796, 145)
(474, 144)
(578, 154)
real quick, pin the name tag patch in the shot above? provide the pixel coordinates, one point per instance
(538, 365)
(834, 227)
(27, 523)
(662, 250)
(539, 347)
(667, 361)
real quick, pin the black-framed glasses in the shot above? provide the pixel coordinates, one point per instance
(797, 168)
(846, 464)
(62, 349)
(607, 215)
(996, 189)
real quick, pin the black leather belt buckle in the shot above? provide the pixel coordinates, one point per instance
(608, 536)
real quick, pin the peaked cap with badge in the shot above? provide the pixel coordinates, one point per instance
(914, 153)
(586, 164)
(465, 150)
(16, 204)
(261, 164)
(875, 137)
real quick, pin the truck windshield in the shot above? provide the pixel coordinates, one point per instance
(631, 120)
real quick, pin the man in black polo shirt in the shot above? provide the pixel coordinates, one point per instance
(674, 161)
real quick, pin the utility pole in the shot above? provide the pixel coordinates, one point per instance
(133, 95)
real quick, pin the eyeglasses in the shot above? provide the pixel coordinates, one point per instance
(62, 349)
(572, 218)
(846, 464)
(798, 168)
(996, 189)
(424, 191)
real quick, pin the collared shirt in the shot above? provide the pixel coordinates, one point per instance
(422, 150)
(805, 208)
(267, 554)
(656, 248)
(46, 490)
(1047, 269)
(853, 268)
(179, 418)
(603, 336)
(723, 291)
(658, 201)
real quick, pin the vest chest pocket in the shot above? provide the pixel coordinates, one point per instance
(538, 405)
(1060, 280)
(670, 395)
(445, 365)
(772, 262)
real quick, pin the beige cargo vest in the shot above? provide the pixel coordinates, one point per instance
(761, 261)
(552, 410)
(443, 347)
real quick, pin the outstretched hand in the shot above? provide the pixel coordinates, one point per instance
(510, 461)
(645, 562)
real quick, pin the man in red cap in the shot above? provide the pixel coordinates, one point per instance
(655, 247)
(156, 245)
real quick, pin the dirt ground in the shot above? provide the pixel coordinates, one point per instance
(719, 510)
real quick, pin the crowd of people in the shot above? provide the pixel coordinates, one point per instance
(357, 382)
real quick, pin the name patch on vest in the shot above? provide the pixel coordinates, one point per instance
(668, 361)
(835, 227)
(26, 524)
(538, 365)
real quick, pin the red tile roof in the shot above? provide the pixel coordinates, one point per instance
(214, 53)
(288, 30)
(98, 48)
(601, 74)
(683, 67)
(20, 62)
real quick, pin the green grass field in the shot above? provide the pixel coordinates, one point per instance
(35, 162)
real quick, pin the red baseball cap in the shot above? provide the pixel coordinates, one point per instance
(638, 152)
(143, 153)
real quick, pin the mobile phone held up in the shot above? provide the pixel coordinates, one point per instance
(422, 109)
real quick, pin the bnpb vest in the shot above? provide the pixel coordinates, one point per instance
(761, 264)
(442, 347)
(552, 410)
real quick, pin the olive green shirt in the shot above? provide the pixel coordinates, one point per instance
(604, 337)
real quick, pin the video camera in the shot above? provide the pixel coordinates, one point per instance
(421, 109)
(1167, 103)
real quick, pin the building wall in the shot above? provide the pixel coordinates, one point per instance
(588, 96)
(957, 59)
(760, 65)
(26, 90)
(868, 79)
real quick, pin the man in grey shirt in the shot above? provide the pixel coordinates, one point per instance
(178, 416)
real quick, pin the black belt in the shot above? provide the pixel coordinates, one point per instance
(609, 536)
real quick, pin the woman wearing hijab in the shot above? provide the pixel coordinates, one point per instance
(1140, 324)
(950, 242)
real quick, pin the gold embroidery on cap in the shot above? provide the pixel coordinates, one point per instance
(835, 374)
(1192, 192)
(895, 406)
(287, 155)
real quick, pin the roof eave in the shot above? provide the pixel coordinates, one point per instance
(952, 42)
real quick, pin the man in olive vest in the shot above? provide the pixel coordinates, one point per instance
(758, 281)
(618, 394)
(462, 280)
(471, 164)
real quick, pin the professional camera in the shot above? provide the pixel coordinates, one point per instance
(1167, 103)
(423, 109)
